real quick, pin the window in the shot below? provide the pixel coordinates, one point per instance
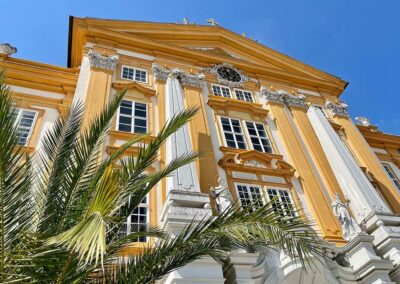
(258, 137)
(244, 95)
(283, 198)
(134, 74)
(249, 194)
(132, 117)
(233, 133)
(221, 91)
(392, 175)
(136, 221)
(25, 121)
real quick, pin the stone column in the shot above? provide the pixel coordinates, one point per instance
(365, 155)
(98, 91)
(201, 137)
(316, 198)
(184, 202)
(364, 198)
(299, 108)
(367, 205)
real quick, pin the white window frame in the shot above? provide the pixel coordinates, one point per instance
(266, 188)
(223, 132)
(17, 121)
(259, 138)
(222, 86)
(134, 74)
(129, 221)
(392, 175)
(253, 100)
(133, 116)
(248, 185)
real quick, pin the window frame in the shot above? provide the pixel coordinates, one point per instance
(134, 74)
(390, 172)
(17, 121)
(248, 185)
(129, 221)
(133, 116)
(223, 132)
(267, 197)
(222, 86)
(243, 90)
(259, 138)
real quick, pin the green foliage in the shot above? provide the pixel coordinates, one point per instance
(60, 210)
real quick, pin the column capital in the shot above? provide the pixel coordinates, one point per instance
(296, 101)
(186, 79)
(340, 109)
(102, 61)
(277, 97)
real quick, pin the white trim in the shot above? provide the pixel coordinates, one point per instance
(35, 92)
(223, 132)
(134, 74)
(247, 185)
(133, 116)
(243, 90)
(266, 133)
(222, 86)
(266, 188)
(18, 118)
(389, 170)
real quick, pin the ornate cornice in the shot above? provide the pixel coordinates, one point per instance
(160, 73)
(187, 80)
(296, 101)
(340, 109)
(277, 97)
(102, 61)
(214, 70)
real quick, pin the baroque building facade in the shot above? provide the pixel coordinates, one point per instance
(270, 127)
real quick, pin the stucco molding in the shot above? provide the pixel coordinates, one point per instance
(186, 79)
(340, 109)
(214, 71)
(277, 97)
(102, 61)
(296, 101)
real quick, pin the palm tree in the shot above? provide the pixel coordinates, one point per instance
(61, 208)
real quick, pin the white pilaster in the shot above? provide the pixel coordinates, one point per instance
(364, 199)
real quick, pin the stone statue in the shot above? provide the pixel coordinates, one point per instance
(6, 48)
(221, 195)
(349, 225)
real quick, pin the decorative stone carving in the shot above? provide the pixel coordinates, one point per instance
(160, 73)
(278, 97)
(296, 101)
(221, 195)
(340, 109)
(102, 61)
(185, 79)
(239, 84)
(363, 121)
(349, 225)
(6, 48)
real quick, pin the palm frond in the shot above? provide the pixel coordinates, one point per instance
(266, 226)
(15, 183)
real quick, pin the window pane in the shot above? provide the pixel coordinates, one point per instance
(258, 137)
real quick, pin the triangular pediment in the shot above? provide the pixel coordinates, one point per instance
(206, 45)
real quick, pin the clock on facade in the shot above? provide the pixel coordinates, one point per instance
(229, 74)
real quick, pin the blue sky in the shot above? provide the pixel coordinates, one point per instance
(356, 40)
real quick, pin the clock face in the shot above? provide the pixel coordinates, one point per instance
(229, 74)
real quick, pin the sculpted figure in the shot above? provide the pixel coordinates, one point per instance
(221, 195)
(349, 225)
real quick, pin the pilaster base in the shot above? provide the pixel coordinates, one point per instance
(239, 269)
(367, 266)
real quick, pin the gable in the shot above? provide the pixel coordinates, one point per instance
(203, 45)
